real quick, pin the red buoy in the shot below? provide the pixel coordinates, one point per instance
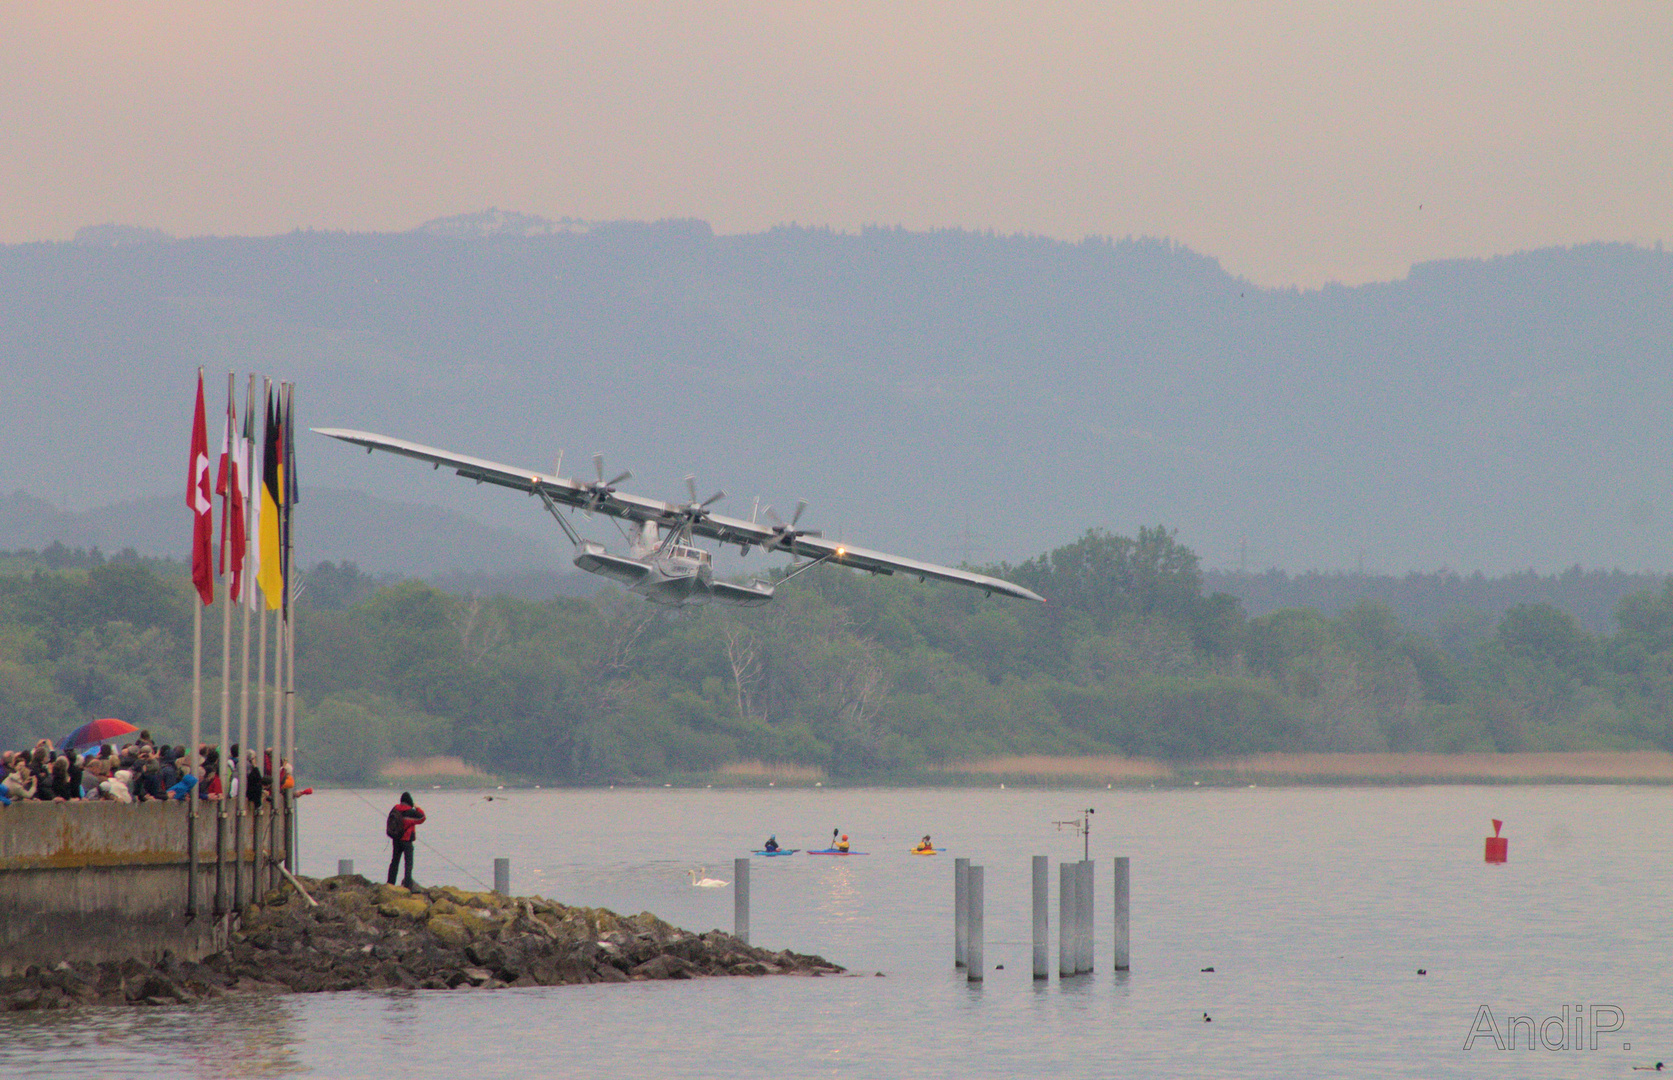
(1498, 847)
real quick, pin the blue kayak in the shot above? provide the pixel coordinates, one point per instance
(837, 851)
(780, 851)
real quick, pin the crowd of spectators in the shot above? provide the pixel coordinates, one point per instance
(140, 771)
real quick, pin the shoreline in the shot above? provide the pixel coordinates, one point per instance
(1650, 767)
(1583, 767)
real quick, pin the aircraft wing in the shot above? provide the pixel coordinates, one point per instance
(738, 531)
(568, 492)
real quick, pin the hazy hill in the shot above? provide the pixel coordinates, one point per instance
(331, 525)
(939, 394)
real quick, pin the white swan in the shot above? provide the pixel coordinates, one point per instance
(705, 882)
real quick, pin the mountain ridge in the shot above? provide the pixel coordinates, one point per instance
(1481, 414)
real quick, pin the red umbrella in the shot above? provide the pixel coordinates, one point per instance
(95, 732)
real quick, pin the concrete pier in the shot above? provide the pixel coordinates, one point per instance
(345, 867)
(101, 881)
(502, 876)
(975, 965)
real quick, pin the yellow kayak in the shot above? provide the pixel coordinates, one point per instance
(924, 851)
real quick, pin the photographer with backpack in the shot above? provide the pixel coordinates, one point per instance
(402, 828)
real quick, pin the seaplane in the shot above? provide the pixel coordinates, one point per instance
(663, 562)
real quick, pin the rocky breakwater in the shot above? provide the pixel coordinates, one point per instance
(363, 936)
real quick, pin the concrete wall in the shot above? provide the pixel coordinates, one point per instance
(107, 881)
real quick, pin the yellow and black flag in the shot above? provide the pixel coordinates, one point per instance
(272, 494)
(289, 489)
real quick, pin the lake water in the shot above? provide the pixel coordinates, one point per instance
(1315, 907)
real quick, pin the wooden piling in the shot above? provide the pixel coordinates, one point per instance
(974, 965)
(502, 876)
(345, 867)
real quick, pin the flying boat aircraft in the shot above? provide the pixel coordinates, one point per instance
(663, 563)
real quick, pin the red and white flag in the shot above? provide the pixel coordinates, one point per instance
(252, 509)
(231, 484)
(198, 501)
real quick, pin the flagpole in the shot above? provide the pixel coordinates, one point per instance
(258, 877)
(290, 627)
(191, 761)
(195, 492)
(258, 870)
(226, 659)
(246, 449)
(275, 819)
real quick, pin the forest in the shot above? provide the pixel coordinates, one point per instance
(864, 678)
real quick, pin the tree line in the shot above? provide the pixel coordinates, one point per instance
(863, 677)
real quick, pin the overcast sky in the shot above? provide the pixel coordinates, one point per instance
(1297, 144)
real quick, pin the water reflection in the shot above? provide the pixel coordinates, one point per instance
(842, 899)
(246, 1037)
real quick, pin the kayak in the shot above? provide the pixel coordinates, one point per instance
(924, 851)
(837, 851)
(780, 851)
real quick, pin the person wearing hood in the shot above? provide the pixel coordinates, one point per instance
(402, 829)
(185, 783)
(210, 788)
(20, 783)
(254, 782)
(119, 787)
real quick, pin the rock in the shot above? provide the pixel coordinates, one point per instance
(449, 930)
(411, 906)
(664, 966)
(26, 1000)
(373, 936)
(158, 987)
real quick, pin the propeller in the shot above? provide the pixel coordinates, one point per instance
(785, 535)
(694, 509)
(602, 489)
